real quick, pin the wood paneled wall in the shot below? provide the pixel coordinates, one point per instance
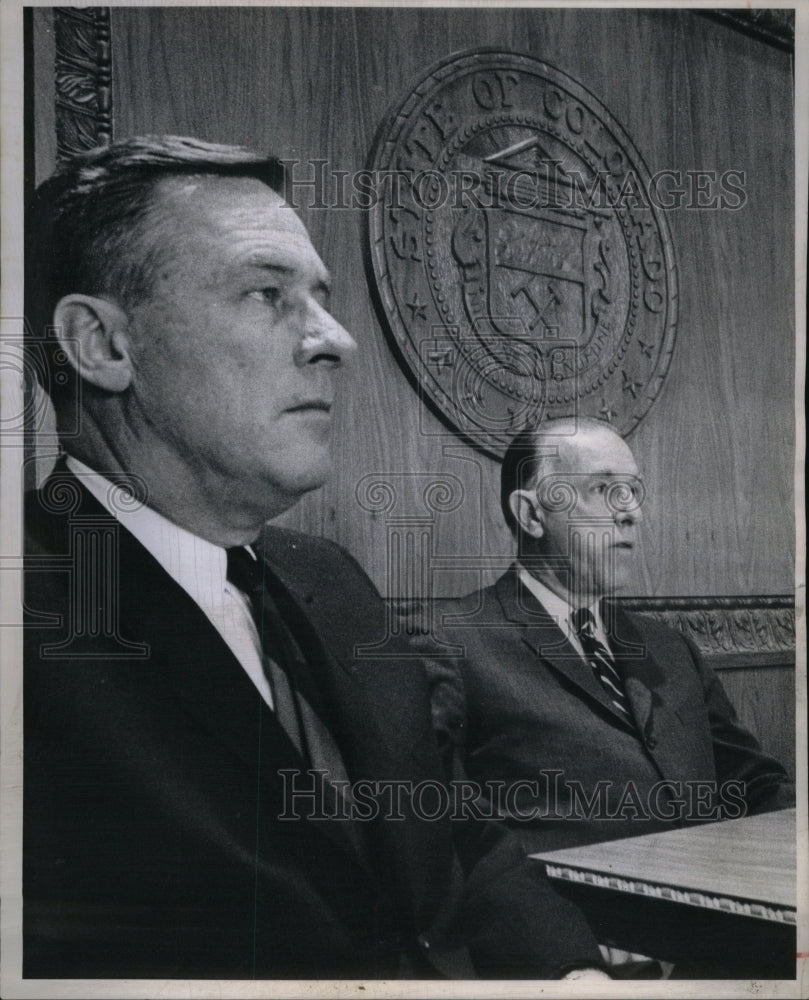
(717, 446)
(764, 700)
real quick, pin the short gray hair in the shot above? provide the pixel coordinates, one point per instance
(87, 229)
(524, 462)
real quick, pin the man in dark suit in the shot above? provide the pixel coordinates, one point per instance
(579, 721)
(208, 763)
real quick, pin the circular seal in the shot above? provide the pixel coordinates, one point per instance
(519, 254)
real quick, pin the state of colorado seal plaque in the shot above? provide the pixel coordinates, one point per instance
(522, 262)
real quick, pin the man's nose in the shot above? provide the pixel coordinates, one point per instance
(629, 517)
(627, 508)
(325, 340)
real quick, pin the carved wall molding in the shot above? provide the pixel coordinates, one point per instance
(775, 27)
(83, 76)
(729, 632)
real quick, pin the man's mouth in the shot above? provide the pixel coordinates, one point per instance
(310, 404)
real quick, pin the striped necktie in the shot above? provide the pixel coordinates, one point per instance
(601, 661)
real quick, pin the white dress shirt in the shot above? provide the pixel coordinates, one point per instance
(559, 609)
(197, 565)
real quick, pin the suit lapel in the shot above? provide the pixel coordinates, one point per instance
(362, 696)
(640, 673)
(545, 638)
(209, 683)
(207, 679)
(305, 657)
(358, 692)
(646, 679)
(204, 675)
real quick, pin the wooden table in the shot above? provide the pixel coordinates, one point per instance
(719, 900)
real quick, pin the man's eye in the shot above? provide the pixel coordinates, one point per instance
(269, 295)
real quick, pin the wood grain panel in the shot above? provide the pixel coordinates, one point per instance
(764, 700)
(44, 84)
(717, 445)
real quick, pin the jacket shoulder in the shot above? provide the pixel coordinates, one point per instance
(312, 566)
(298, 553)
(285, 541)
(655, 631)
(475, 600)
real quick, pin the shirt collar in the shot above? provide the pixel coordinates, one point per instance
(197, 565)
(556, 606)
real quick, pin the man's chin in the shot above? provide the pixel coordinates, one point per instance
(616, 586)
(298, 482)
(274, 491)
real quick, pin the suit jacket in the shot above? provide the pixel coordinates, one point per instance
(530, 714)
(154, 779)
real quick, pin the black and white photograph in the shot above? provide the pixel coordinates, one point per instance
(402, 536)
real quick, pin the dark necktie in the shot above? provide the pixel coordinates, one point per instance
(601, 661)
(292, 687)
(247, 573)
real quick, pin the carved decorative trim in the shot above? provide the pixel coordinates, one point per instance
(729, 632)
(776, 27)
(83, 74)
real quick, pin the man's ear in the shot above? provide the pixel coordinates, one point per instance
(93, 333)
(527, 512)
